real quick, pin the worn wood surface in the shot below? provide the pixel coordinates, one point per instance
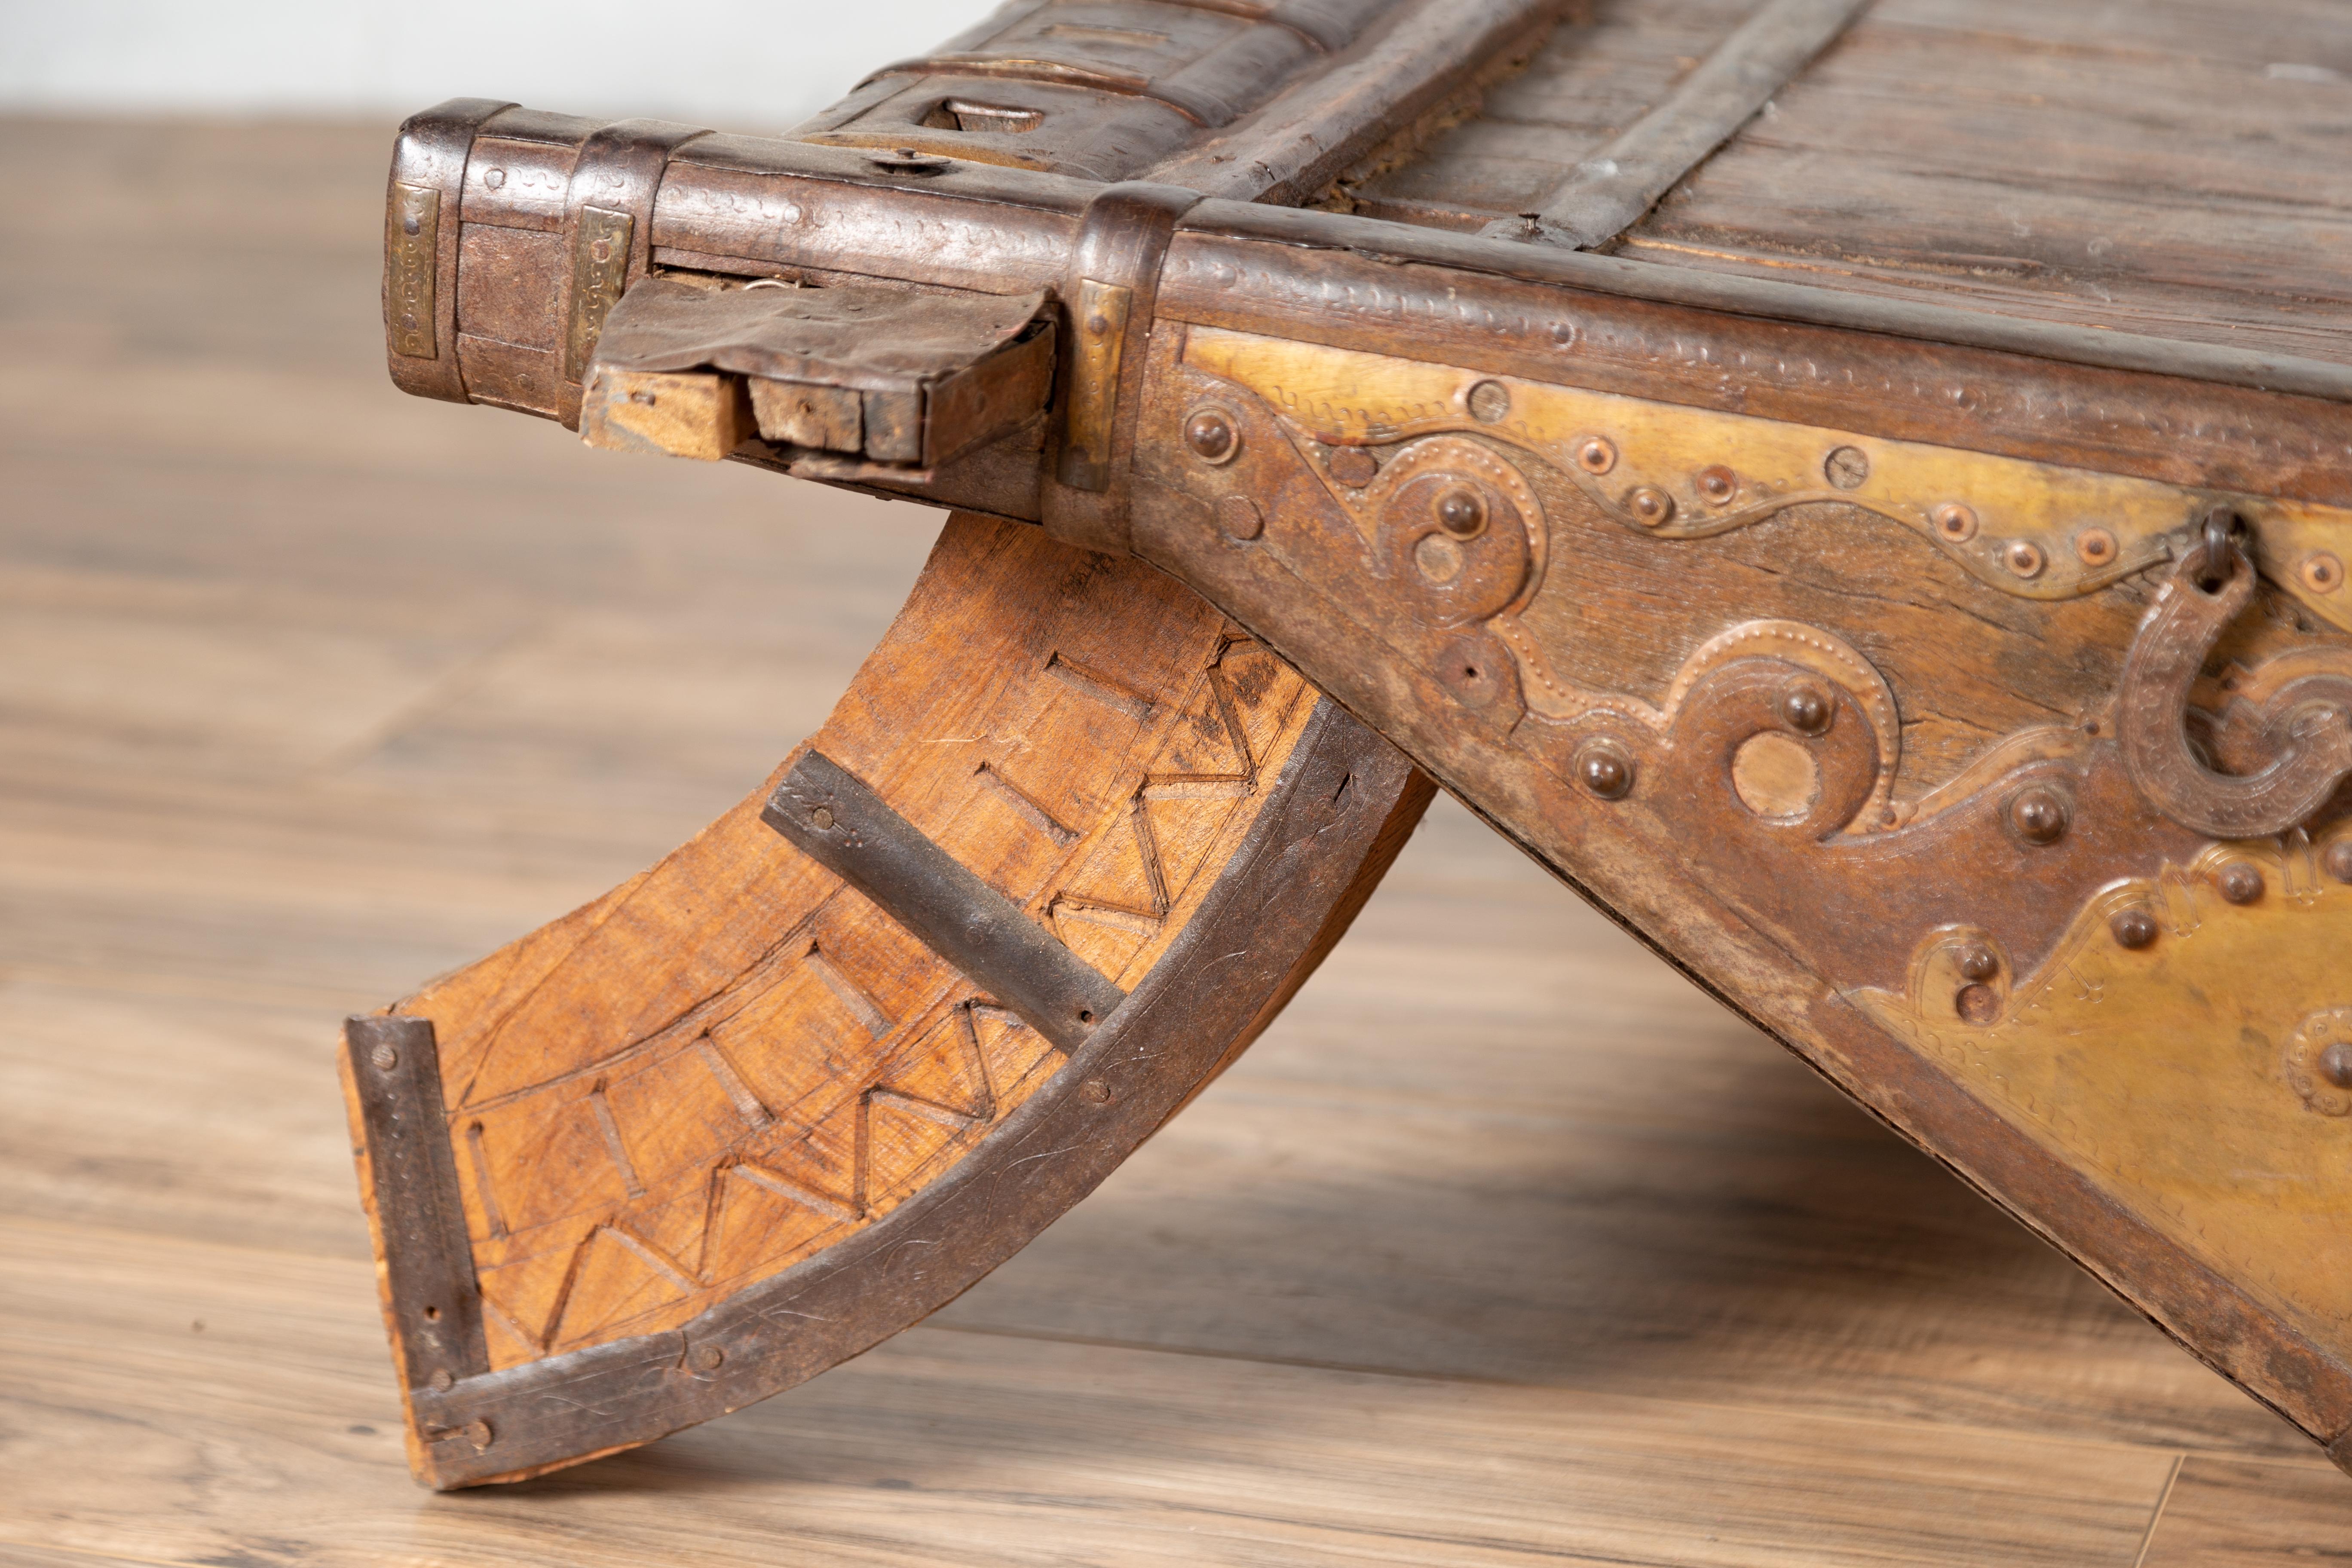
(1503, 1246)
(2181, 180)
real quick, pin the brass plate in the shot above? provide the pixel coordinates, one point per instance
(2037, 530)
(412, 252)
(1099, 321)
(600, 270)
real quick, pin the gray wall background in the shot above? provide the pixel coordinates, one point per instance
(734, 64)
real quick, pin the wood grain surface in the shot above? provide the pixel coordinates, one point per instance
(1503, 1246)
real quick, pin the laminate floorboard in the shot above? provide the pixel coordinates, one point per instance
(1504, 1246)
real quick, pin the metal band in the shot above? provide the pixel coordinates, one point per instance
(608, 213)
(1611, 189)
(436, 1310)
(1112, 288)
(829, 812)
(420, 245)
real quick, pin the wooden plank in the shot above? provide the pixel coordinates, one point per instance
(987, 1448)
(2224, 1513)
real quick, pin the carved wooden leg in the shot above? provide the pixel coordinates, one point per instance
(1067, 844)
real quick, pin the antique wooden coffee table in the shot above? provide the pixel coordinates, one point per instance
(1826, 479)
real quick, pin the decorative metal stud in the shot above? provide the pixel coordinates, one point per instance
(1978, 962)
(1847, 467)
(1240, 518)
(1717, 485)
(1460, 513)
(1210, 433)
(2094, 546)
(2321, 572)
(1955, 522)
(2338, 860)
(1353, 467)
(1604, 771)
(1651, 507)
(2038, 816)
(2024, 558)
(1489, 401)
(2240, 883)
(2134, 927)
(1805, 709)
(1594, 454)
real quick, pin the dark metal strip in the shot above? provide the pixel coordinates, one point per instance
(829, 812)
(1343, 803)
(420, 1218)
(1609, 192)
(1310, 135)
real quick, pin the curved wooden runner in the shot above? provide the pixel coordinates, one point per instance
(735, 1121)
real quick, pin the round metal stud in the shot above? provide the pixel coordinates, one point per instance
(1353, 467)
(444, 1378)
(2133, 929)
(2321, 572)
(1489, 401)
(2094, 546)
(1460, 513)
(1846, 467)
(1978, 962)
(1978, 1004)
(1717, 485)
(1437, 558)
(1805, 709)
(2338, 860)
(707, 1358)
(383, 1058)
(2335, 1064)
(1955, 522)
(2038, 816)
(1211, 436)
(479, 1433)
(1240, 518)
(1097, 1090)
(1651, 507)
(821, 818)
(1594, 454)
(2240, 883)
(2024, 558)
(1604, 770)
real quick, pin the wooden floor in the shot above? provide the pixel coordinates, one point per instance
(1504, 1246)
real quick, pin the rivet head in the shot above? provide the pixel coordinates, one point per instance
(444, 1380)
(411, 225)
(1978, 1003)
(1651, 507)
(1353, 467)
(2038, 816)
(707, 1358)
(2338, 860)
(2335, 1064)
(1240, 518)
(383, 1058)
(821, 818)
(1978, 962)
(2321, 572)
(2094, 546)
(2240, 883)
(1489, 401)
(1097, 324)
(1604, 770)
(1595, 454)
(2024, 558)
(479, 1433)
(1805, 709)
(1460, 513)
(1847, 467)
(1955, 522)
(1717, 484)
(1438, 558)
(2133, 929)
(1097, 1090)
(1209, 434)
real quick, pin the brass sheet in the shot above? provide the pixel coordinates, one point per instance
(600, 270)
(412, 251)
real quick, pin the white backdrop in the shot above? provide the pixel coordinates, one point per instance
(739, 65)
